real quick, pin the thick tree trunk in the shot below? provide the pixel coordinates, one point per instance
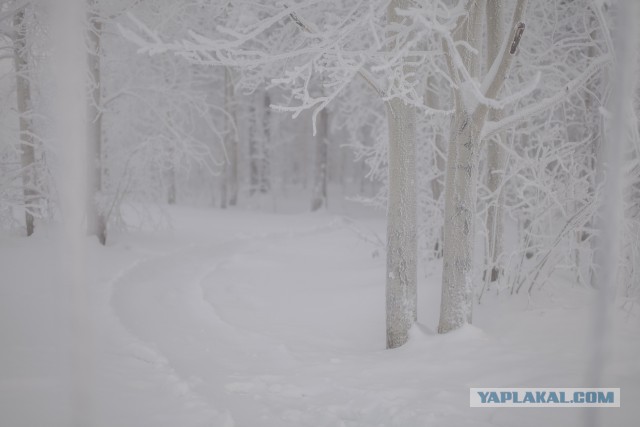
(402, 247)
(96, 221)
(460, 193)
(27, 148)
(462, 175)
(459, 224)
(319, 198)
(611, 210)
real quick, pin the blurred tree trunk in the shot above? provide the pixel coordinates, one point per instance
(253, 132)
(171, 177)
(265, 146)
(27, 145)
(319, 197)
(231, 139)
(96, 221)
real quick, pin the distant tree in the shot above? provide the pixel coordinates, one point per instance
(18, 26)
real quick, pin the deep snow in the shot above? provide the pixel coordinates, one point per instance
(247, 319)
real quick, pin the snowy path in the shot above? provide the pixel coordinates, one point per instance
(253, 320)
(274, 351)
(268, 335)
(162, 302)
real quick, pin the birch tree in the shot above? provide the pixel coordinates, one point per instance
(463, 161)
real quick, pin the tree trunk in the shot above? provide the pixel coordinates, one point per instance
(171, 193)
(495, 214)
(319, 199)
(460, 193)
(594, 127)
(462, 175)
(27, 148)
(402, 246)
(611, 210)
(254, 165)
(495, 153)
(437, 184)
(459, 224)
(231, 141)
(224, 188)
(171, 176)
(265, 145)
(96, 221)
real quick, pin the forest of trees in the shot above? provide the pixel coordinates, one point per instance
(490, 131)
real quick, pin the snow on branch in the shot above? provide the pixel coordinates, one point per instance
(492, 128)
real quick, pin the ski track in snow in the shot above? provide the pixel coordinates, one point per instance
(217, 364)
(182, 336)
(144, 352)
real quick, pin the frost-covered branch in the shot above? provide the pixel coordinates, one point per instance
(571, 87)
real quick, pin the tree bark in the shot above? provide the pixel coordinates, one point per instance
(459, 223)
(402, 244)
(27, 147)
(402, 247)
(460, 192)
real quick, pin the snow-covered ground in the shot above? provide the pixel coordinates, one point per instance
(247, 319)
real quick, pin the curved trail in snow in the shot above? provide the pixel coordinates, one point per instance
(285, 329)
(141, 366)
(160, 300)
